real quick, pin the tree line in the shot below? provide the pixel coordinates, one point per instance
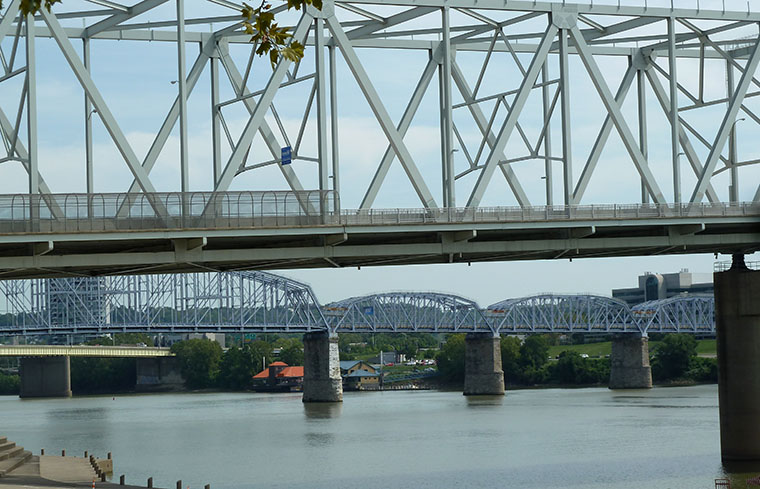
(527, 362)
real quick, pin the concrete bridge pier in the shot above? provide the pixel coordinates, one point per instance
(629, 362)
(321, 380)
(737, 321)
(45, 377)
(483, 374)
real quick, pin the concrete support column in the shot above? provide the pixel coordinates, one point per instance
(45, 377)
(629, 362)
(321, 380)
(158, 374)
(482, 365)
(737, 319)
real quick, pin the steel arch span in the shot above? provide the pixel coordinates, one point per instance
(566, 313)
(683, 314)
(224, 302)
(407, 312)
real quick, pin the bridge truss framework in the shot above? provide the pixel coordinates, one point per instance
(260, 302)
(537, 39)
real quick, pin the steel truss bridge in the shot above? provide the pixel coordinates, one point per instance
(239, 302)
(503, 88)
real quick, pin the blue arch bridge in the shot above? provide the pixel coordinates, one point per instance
(256, 301)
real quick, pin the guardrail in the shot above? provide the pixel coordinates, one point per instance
(723, 266)
(59, 213)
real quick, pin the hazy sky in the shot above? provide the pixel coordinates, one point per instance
(135, 79)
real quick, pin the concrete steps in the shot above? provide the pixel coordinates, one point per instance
(10, 453)
(11, 456)
(11, 464)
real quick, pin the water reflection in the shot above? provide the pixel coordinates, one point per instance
(319, 439)
(322, 410)
(484, 401)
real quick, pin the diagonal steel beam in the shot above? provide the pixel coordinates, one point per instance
(7, 22)
(168, 125)
(688, 149)
(601, 139)
(141, 176)
(483, 126)
(509, 124)
(236, 80)
(391, 21)
(6, 127)
(117, 19)
(257, 117)
(402, 128)
(396, 140)
(728, 123)
(617, 116)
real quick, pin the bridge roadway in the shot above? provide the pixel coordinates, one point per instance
(257, 231)
(83, 351)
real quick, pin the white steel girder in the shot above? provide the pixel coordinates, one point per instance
(533, 36)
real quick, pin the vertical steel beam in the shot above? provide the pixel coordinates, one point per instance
(567, 150)
(88, 122)
(728, 121)
(31, 106)
(402, 128)
(617, 116)
(674, 120)
(733, 188)
(447, 124)
(548, 173)
(334, 126)
(182, 88)
(643, 144)
(321, 95)
(509, 124)
(485, 129)
(381, 114)
(691, 154)
(216, 118)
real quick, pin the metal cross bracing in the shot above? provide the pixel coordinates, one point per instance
(517, 82)
(406, 312)
(520, 86)
(234, 302)
(689, 314)
(176, 303)
(550, 313)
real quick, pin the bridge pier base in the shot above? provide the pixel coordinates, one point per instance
(737, 321)
(321, 380)
(629, 362)
(158, 374)
(45, 377)
(483, 374)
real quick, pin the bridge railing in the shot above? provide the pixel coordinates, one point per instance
(55, 213)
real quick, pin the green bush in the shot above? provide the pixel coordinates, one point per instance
(9, 384)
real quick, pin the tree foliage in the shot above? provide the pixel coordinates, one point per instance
(291, 351)
(451, 358)
(92, 375)
(673, 355)
(9, 384)
(199, 362)
(267, 36)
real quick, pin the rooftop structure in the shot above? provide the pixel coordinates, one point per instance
(655, 286)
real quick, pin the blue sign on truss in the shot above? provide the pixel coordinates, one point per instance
(369, 311)
(286, 155)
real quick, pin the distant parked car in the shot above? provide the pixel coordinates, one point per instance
(584, 355)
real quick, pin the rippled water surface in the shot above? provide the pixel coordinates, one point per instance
(661, 438)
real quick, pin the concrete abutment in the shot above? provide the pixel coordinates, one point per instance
(629, 362)
(322, 381)
(483, 374)
(45, 377)
(737, 321)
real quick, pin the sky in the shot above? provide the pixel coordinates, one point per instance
(136, 79)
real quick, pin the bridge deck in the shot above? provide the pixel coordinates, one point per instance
(83, 351)
(300, 239)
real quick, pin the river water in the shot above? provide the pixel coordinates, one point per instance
(589, 438)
